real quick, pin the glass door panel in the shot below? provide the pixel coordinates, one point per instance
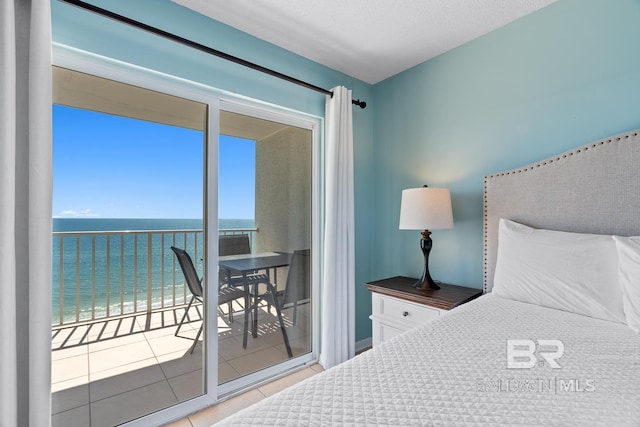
(129, 167)
(265, 222)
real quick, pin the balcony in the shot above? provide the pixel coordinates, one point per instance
(120, 296)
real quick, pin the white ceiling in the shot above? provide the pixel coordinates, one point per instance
(367, 39)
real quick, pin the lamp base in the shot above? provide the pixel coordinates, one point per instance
(426, 284)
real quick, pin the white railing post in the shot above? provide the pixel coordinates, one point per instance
(122, 274)
(135, 272)
(108, 281)
(149, 276)
(93, 277)
(162, 281)
(61, 281)
(77, 278)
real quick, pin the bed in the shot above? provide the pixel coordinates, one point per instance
(539, 347)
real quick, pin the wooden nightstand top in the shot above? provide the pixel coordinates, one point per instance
(445, 298)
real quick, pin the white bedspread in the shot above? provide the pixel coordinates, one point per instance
(453, 372)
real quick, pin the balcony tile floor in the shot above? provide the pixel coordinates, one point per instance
(138, 366)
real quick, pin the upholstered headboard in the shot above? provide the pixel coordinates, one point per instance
(591, 189)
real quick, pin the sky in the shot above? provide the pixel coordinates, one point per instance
(107, 166)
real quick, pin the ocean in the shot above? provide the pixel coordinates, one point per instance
(114, 261)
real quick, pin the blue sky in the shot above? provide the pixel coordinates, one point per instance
(107, 166)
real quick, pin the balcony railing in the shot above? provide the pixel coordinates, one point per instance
(106, 274)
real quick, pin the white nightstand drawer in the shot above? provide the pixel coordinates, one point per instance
(403, 311)
(383, 332)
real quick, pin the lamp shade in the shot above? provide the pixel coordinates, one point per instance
(426, 208)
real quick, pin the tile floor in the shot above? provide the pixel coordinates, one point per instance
(215, 413)
(137, 365)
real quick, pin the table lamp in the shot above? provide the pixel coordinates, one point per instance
(426, 209)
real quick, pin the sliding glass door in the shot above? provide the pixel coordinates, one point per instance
(266, 230)
(185, 246)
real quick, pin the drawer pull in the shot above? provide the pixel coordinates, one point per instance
(405, 313)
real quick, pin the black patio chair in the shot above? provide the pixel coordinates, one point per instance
(232, 244)
(298, 285)
(226, 294)
(297, 288)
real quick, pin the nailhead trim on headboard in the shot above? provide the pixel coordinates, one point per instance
(531, 167)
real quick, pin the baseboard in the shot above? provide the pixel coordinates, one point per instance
(362, 345)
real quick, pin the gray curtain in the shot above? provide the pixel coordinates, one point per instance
(25, 213)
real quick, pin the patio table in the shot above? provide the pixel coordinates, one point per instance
(247, 265)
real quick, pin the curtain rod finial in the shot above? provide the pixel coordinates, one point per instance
(361, 104)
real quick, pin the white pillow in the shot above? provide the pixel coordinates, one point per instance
(567, 271)
(629, 276)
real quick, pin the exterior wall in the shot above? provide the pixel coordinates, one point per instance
(283, 191)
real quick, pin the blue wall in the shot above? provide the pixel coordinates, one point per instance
(560, 77)
(83, 30)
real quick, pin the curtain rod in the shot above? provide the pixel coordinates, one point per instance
(123, 19)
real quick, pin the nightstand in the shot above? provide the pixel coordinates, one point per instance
(397, 306)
